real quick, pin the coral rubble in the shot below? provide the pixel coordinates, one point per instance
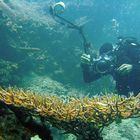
(82, 117)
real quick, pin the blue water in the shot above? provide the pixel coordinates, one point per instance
(102, 21)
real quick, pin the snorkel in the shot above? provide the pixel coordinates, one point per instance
(59, 8)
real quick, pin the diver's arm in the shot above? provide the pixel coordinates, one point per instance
(135, 70)
(131, 60)
(135, 57)
(129, 69)
(89, 75)
(88, 69)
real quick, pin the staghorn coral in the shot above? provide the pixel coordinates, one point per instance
(85, 116)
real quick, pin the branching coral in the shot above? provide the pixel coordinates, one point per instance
(85, 116)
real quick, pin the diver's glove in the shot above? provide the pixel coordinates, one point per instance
(125, 69)
(85, 59)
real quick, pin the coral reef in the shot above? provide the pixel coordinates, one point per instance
(128, 129)
(84, 117)
(10, 127)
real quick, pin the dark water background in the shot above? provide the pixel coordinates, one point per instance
(60, 46)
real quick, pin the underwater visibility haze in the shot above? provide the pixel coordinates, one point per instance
(40, 52)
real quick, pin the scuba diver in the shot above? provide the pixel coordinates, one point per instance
(122, 62)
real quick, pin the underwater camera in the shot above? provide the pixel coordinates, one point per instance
(57, 8)
(105, 63)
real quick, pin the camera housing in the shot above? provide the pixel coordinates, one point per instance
(105, 63)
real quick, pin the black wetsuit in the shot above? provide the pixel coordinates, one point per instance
(125, 54)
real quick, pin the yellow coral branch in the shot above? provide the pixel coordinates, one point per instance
(98, 111)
